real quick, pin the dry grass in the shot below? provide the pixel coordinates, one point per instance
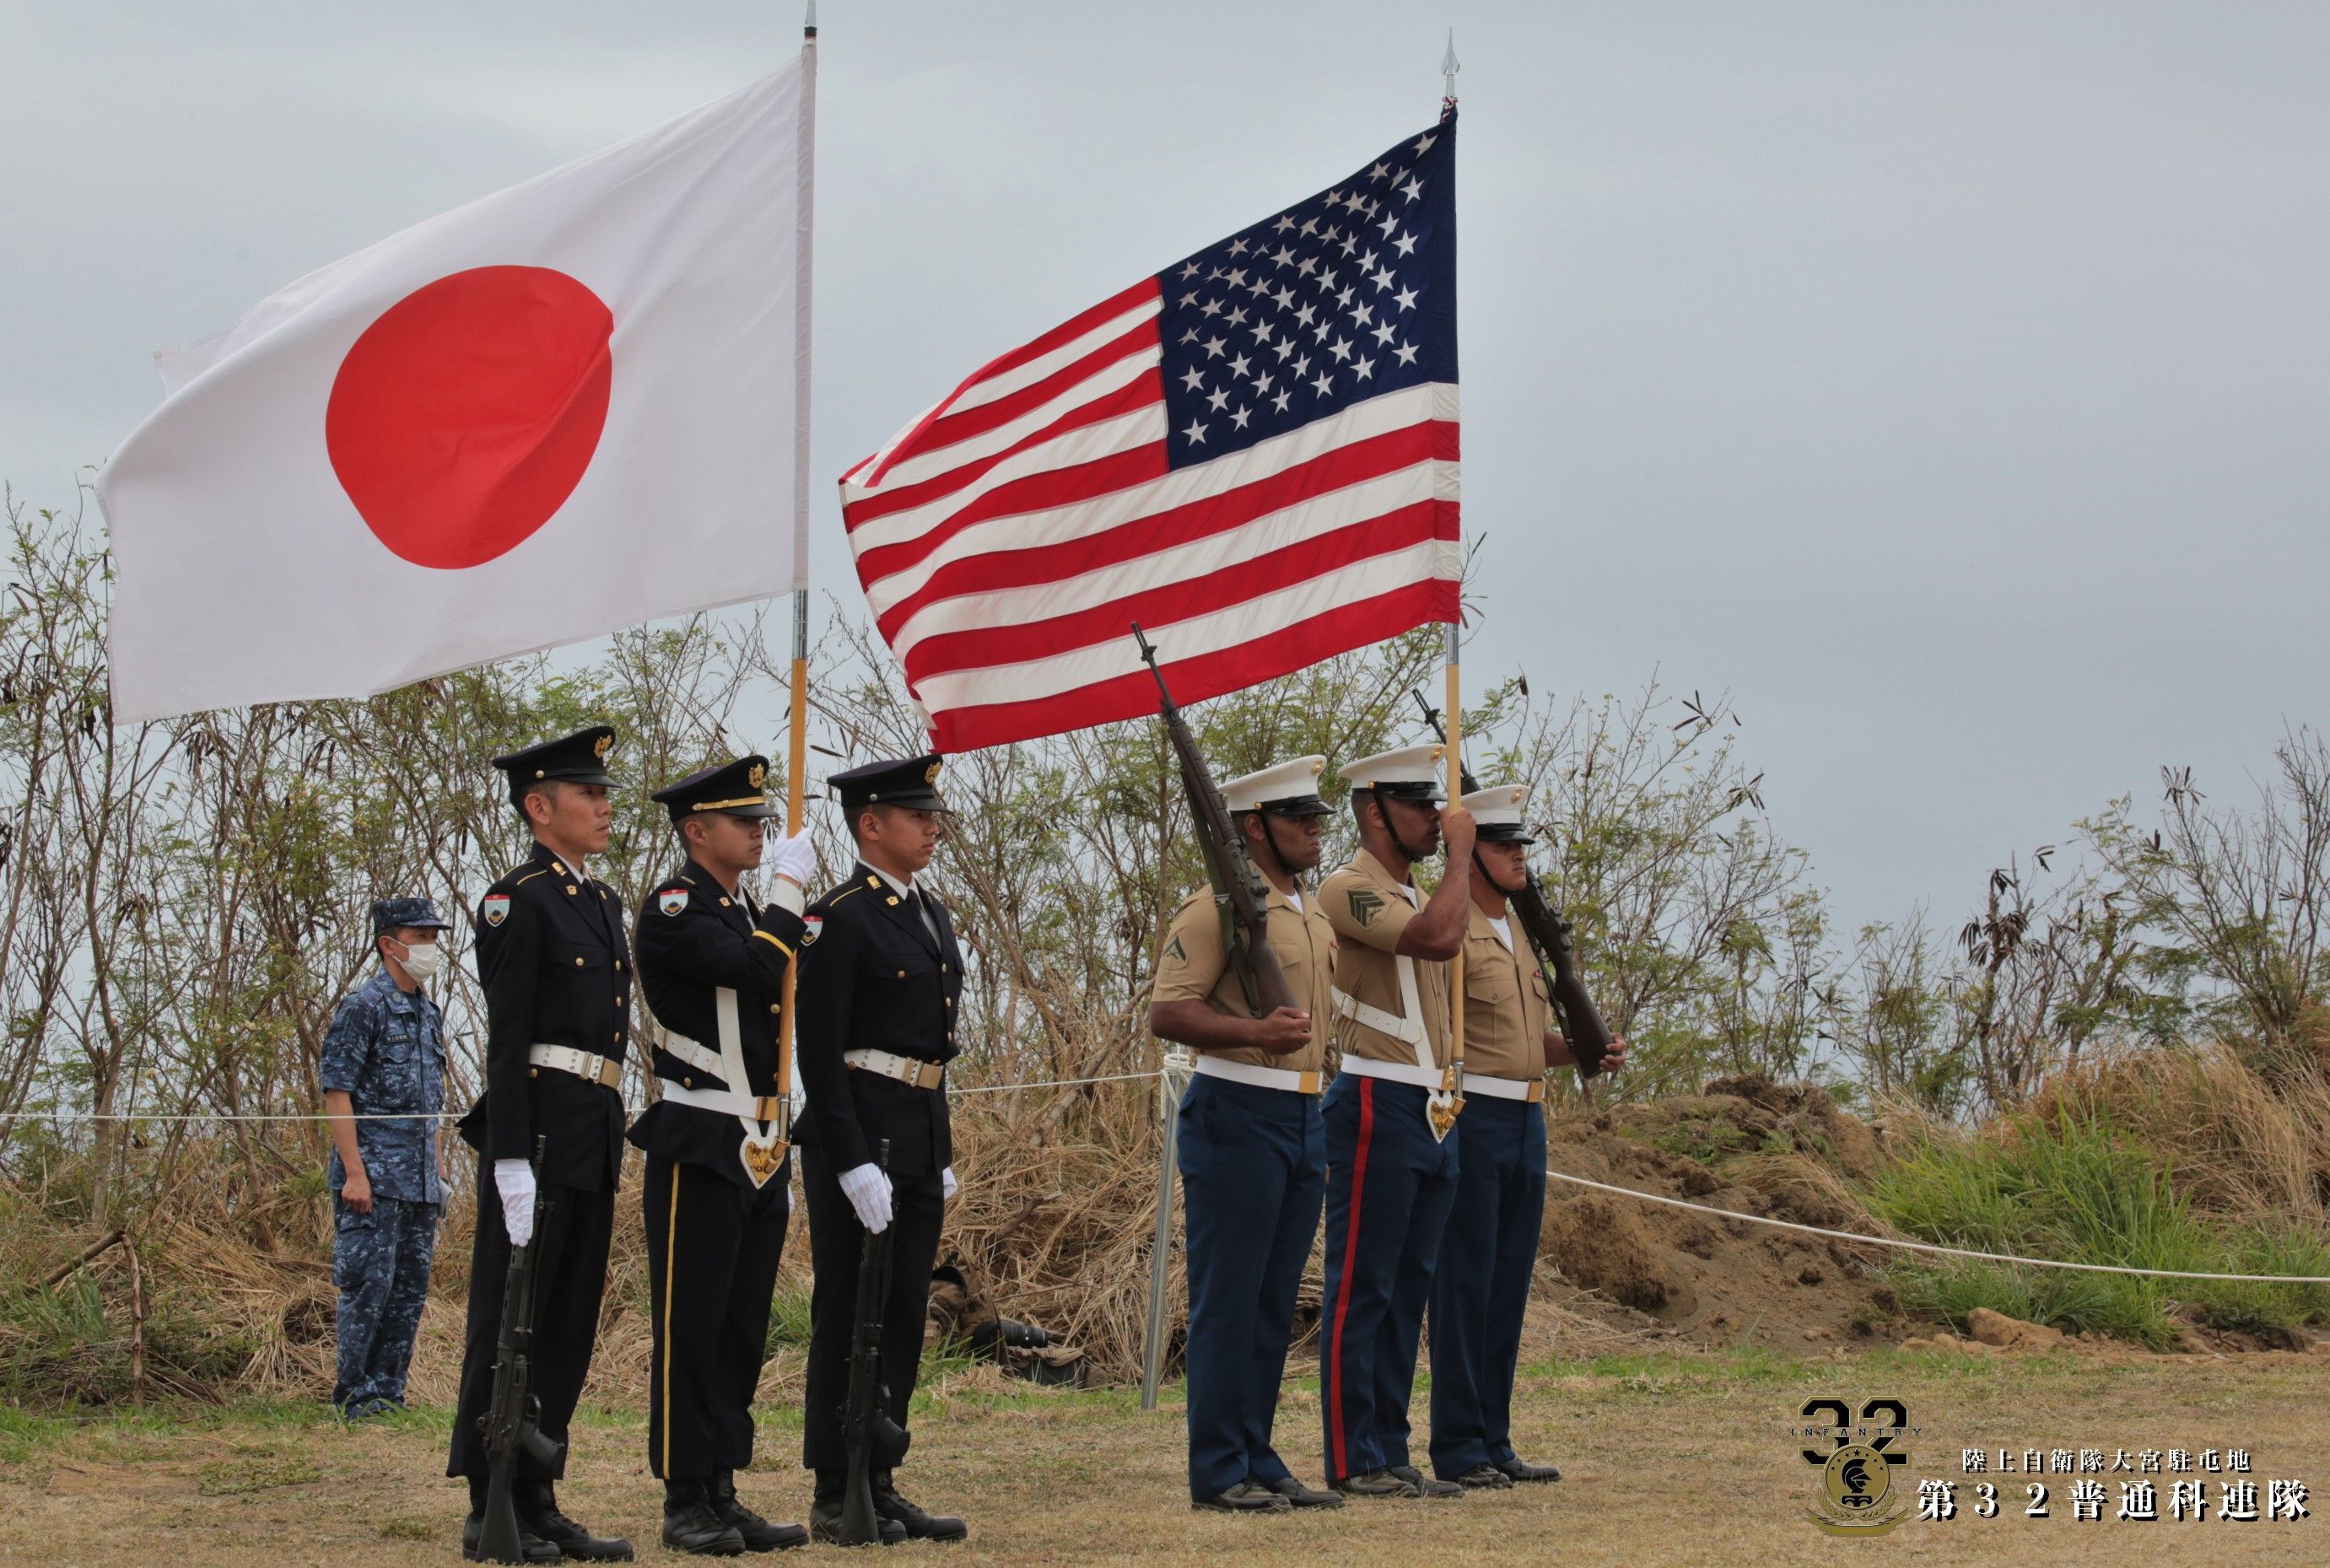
(2233, 1143)
(1671, 1461)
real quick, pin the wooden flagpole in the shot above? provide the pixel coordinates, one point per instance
(797, 737)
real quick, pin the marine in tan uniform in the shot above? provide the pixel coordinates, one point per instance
(1489, 1251)
(1391, 1118)
(1249, 1142)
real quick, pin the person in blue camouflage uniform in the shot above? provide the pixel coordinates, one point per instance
(384, 1057)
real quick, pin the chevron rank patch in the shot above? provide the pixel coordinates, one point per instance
(495, 908)
(672, 900)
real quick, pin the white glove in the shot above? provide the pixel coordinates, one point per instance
(948, 1186)
(868, 1191)
(514, 1178)
(794, 858)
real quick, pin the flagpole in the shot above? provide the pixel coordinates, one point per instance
(1455, 705)
(796, 738)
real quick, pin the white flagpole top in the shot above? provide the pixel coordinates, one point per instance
(809, 22)
(1448, 69)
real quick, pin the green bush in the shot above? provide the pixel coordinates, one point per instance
(2073, 1188)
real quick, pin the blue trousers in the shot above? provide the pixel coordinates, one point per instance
(380, 1263)
(1390, 1186)
(1253, 1167)
(1482, 1285)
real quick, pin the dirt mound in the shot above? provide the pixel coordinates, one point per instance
(1744, 1146)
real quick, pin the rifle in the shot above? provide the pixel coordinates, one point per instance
(512, 1422)
(1240, 893)
(874, 1441)
(1589, 1038)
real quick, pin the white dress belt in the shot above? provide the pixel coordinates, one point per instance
(1285, 1078)
(608, 1070)
(694, 1054)
(727, 1102)
(1529, 1089)
(890, 1064)
(1408, 1031)
(1430, 1078)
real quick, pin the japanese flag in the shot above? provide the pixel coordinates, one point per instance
(560, 410)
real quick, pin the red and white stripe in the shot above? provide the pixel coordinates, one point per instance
(1008, 539)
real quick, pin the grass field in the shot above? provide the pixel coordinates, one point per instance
(1670, 1459)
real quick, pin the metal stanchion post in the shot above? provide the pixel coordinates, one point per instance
(1177, 1066)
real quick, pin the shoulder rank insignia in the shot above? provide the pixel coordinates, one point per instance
(811, 927)
(672, 900)
(496, 908)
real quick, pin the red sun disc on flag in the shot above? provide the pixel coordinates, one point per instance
(465, 415)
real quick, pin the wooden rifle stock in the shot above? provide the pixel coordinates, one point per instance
(1240, 891)
(1588, 1037)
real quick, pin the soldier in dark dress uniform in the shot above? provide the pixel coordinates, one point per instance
(557, 977)
(712, 967)
(880, 979)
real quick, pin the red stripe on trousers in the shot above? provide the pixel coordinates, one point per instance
(1343, 1292)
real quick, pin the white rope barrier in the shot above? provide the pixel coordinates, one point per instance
(84, 1116)
(1836, 1235)
(1936, 1247)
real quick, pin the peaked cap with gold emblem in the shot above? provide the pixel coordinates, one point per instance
(1289, 789)
(736, 788)
(1498, 810)
(580, 758)
(912, 783)
(1409, 773)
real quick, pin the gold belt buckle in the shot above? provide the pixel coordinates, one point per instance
(611, 1071)
(1536, 1090)
(929, 1075)
(1306, 1082)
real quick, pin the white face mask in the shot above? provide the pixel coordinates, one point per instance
(421, 960)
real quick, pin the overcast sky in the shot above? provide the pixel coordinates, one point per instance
(1947, 382)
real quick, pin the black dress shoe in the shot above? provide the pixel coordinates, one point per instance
(538, 1511)
(1521, 1469)
(825, 1524)
(690, 1524)
(1299, 1496)
(920, 1525)
(532, 1546)
(1484, 1478)
(760, 1535)
(1376, 1483)
(1246, 1498)
(1425, 1486)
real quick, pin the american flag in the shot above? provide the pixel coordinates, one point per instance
(1253, 454)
